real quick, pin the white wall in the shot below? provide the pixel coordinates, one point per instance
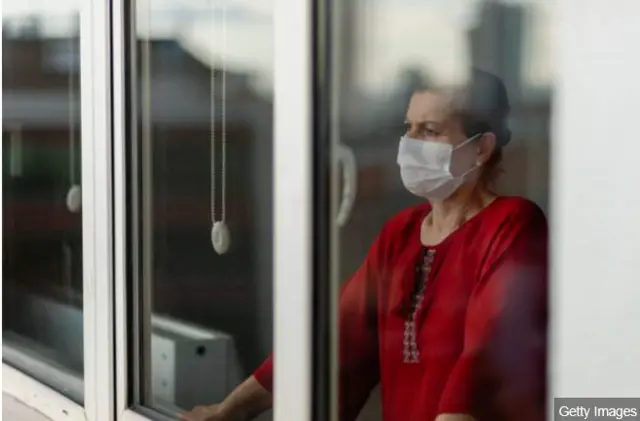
(596, 200)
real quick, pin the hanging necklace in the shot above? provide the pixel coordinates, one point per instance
(220, 234)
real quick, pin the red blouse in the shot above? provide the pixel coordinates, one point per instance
(467, 336)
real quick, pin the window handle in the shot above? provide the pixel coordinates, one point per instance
(347, 159)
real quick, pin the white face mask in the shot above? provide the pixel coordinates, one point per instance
(425, 168)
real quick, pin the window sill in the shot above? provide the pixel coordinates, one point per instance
(36, 397)
(14, 410)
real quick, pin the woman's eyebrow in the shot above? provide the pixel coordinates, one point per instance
(423, 122)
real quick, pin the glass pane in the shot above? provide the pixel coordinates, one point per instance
(201, 153)
(41, 203)
(434, 230)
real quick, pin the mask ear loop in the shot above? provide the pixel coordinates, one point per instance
(469, 140)
(478, 164)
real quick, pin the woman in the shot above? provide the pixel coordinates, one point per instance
(448, 311)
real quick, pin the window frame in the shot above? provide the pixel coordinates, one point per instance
(293, 225)
(118, 63)
(97, 312)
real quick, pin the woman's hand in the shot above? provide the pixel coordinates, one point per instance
(246, 402)
(205, 413)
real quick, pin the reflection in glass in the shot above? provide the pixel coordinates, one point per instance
(434, 44)
(390, 51)
(201, 154)
(42, 219)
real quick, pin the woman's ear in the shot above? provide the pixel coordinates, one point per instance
(486, 146)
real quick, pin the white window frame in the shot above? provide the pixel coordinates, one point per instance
(95, 94)
(293, 252)
(118, 64)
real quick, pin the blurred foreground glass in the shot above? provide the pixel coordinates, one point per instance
(390, 48)
(201, 152)
(41, 203)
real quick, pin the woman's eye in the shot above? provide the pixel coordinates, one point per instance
(431, 133)
(420, 131)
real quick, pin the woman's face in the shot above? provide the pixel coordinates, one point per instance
(429, 117)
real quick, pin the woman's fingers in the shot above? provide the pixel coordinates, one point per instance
(199, 413)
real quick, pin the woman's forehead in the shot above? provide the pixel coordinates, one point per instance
(429, 106)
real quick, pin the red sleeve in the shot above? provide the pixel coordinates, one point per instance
(358, 338)
(264, 374)
(501, 373)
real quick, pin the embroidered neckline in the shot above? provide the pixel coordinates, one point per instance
(411, 353)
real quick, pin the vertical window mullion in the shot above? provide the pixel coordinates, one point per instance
(293, 238)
